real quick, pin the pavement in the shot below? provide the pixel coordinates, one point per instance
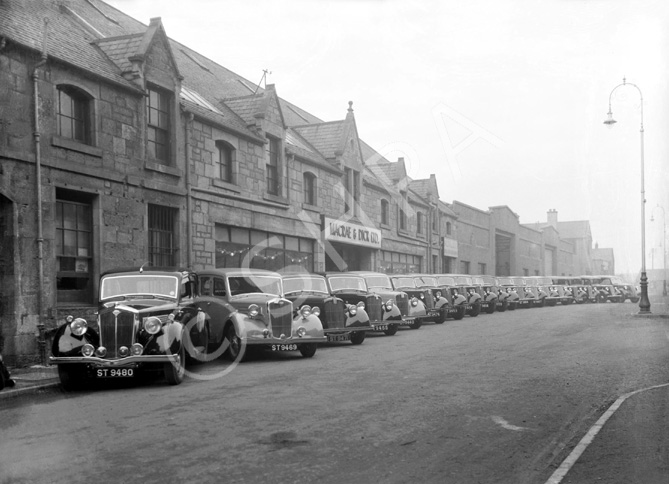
(628, 444)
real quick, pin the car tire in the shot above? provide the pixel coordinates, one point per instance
(175, 370)
(234, 344)
(357, 337)
(634, 299)
(461, 313)
(475, 311)
(417, 324)
(442, 317)
(308, 350)
(492, 305)
(391, 331)
(71, 377)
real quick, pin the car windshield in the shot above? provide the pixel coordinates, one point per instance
(403, 282)
(425, 281)
(445, 281)
(135, 284)
(304, 283)
(339, 283)
(255, 284)
(378, 282)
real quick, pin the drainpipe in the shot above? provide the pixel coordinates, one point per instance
(189, 193)
(41, 338)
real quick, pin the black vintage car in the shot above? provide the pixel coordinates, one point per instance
(384, 315)
(147, 320)
(341, 321)
(492, 292)
(605, 290)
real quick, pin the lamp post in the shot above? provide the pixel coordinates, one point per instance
(664, 247)
(644, 302)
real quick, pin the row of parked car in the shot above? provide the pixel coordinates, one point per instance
(156, 319)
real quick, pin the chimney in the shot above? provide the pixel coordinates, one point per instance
(552, 218)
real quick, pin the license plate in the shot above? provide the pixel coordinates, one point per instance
(339, 337)
(115, 372)
(381, 327)
(291, 347)
(433, 312)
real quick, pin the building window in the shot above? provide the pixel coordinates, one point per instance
(403, 220)
(241, 247)
(384, 212)
(309, 182)
(74, 248)
(482, 268)
(73, 114)
(162, 236)
(356, 192)
(398, 263)
(526, 272)
(419, 223)
(435, 224)
(273, 164)
(464, 266)
(449, 228)
(158, 125)
(435, 264)
(225, 160)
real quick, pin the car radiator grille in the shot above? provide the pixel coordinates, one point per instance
(373, 307)
(334, 314)
(281, 318)
(429, 300)
(402, 302)
(116, 330)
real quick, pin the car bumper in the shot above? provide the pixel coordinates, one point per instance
(127, 361)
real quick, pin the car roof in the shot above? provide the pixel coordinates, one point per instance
(239, 271)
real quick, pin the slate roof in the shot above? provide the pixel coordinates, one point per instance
(247, 106)
(446, 208)
(325, 137)
(302, 148)
(119, 49)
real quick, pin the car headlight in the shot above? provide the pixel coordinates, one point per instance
(305, 311)
(438, 294)
(152, 325)
(389, 305)
(254, 310)
(414, 302)
(316, 311)
(78, 327)
(361, 305)
(422, 296)
(87, 350)
(137, 349)
(301, 331)
(352, 310)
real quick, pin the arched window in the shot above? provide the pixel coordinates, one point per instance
(226, 157)
(384, 212)
(74, 114)
(309, 183)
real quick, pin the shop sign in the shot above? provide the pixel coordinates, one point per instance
(348, 233)
(450, 247)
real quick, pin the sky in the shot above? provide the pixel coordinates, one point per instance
(503, 100)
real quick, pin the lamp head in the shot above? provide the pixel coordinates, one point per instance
(610, 121)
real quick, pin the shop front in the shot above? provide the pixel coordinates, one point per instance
(349, 246)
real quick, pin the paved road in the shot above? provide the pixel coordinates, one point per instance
(499, 398)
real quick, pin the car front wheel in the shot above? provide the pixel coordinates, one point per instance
(357, 337)
(71, 376)
(308, 350)
(234, 344)
(175, 370)
(391, 331)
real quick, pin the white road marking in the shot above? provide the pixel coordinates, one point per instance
(507, 425)
(571, 459)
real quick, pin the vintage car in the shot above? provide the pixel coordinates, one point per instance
(341, 321)
(493, 292)
(581, 293)
(541, 288)
(466, 287)
(384, 315)
(626, 290)
(457, 303)
(247, 310)
(509, 286)
(421, 298)
(604, 287)
(448, 305)
(146, 320)
(409, 308)
(562, 293)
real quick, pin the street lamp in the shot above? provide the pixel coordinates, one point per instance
(664, 246)
(644, 302)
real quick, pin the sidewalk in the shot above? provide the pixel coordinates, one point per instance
(31, 380)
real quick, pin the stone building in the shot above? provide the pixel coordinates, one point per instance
(120, 146)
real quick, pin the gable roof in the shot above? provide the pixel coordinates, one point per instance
(325, 137)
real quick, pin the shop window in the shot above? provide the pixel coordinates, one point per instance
(273, 165)
(74, 248)
(158, 125)
(226, 156)
(385, 206)
(74, 114)
(309, 183)
(162, 237)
